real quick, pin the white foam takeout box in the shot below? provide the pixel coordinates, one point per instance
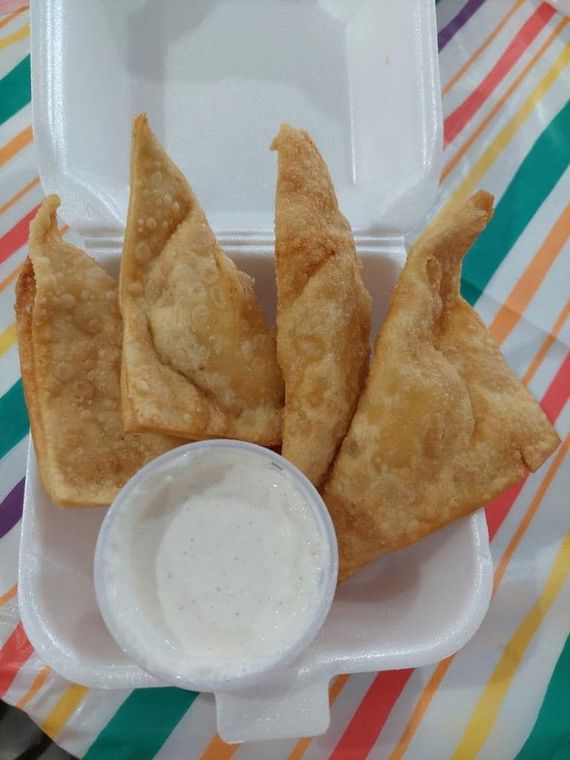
(217, 78)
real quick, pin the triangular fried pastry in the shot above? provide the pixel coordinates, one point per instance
(443, 425)
(69, 334)
(323, 308)
(199, 359)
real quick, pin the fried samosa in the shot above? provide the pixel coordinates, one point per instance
(323, 308)
(69, 334)
(199, 359)
(443, 425)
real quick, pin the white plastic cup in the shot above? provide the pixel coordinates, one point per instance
(126, 619)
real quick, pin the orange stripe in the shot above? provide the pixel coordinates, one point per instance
(482, 47)
(495, 691)
(530, 513)
(10, 594)
(16, 144)
(303, 744)
(437, 676)
(11, 277)
(452, 163)
(19, 194)
(374, 711)
(39, 681)
(545, 348)
(217, 749)
(421, 707)
(529, 31)
(337, 687)
(530, 281)
(11, 17)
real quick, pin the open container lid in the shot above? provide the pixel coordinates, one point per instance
(217, 78)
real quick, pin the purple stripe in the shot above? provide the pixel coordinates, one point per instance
(450, 30)
(11, 508)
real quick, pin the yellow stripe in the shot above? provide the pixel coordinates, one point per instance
(7, 338)
(64, 709)
(16, 36)
(490, 701)
(488, 158)
(505, 98)
(441, 669)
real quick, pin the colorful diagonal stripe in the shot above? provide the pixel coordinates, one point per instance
(550, 736)
(487, 709)
(449, 31)
(147, 717)
(14, 418)
(458, 118)
(540, 170)
(11, 509)
(15, 90)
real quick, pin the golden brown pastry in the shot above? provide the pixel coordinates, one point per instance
(323, 308)
(69, 334)
(199, 359)
(443, 425)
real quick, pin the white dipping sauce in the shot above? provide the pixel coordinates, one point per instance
(226, 557)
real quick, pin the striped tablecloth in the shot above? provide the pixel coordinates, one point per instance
(505, 83)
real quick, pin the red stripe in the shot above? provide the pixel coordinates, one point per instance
(13, 655)
(372, 714)
(16, 237)
(368, 721)
(558, 391)
(457, 119)
(552, 402)
(499, 508)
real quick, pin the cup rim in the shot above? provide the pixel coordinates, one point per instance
(172, 667)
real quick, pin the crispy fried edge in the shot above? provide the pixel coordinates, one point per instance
(24, 307)
(134, 419)
(25, 299)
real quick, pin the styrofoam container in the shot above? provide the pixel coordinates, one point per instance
(216, 78)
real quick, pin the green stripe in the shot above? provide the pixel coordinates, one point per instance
(13, 418)
(550, 737)
(15, 90)
(141, 725)
(536, 176)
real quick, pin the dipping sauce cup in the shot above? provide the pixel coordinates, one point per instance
(216, 564)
